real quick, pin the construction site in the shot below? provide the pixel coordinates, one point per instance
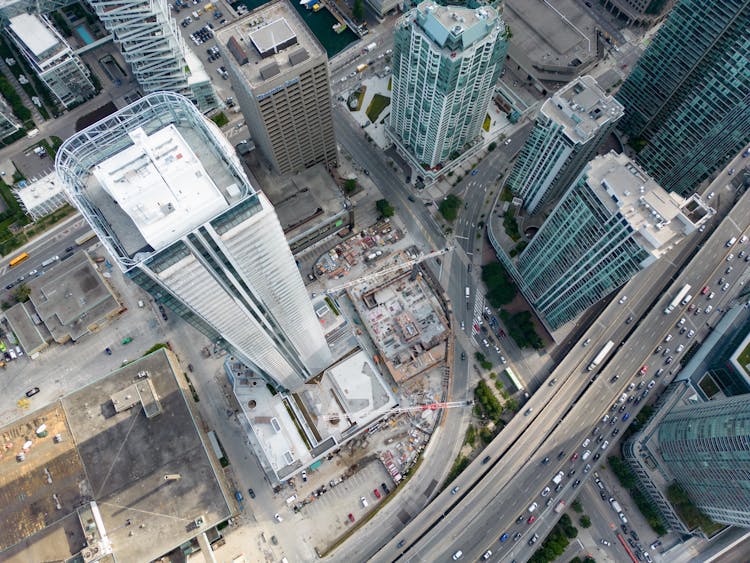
(403, 315)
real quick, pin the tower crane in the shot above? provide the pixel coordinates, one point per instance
(415, 408)
(389, 269)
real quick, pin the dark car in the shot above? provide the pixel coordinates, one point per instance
(520, 519)
(10, 285)
(401, 543)
(504, 538)
(576, 483)
(545, 461)
(634, 535)
(251, 493)
(351, 517)
(69, 249)
(108, 351)
(385, 488)
(163, 312)
(33, 391)
(486, 460)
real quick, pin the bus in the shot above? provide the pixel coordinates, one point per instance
(18, 259)
(85, 237)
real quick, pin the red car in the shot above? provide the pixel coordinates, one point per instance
(704, 290)
(574, 457)
(376, 493)
(531, 519)
(644, 369)
(351, 517)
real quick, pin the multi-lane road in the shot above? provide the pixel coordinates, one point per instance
(494, 495)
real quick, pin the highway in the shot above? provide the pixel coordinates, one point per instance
(494, 495)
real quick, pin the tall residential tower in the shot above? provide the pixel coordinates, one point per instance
(568, 130)
(52, 59)
(613, 222)
(162, 188)
(688, 98)
(446, 61)
(279, 72)
(151, 43)
(706, 447)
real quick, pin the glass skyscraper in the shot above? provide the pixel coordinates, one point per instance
(688, 98)
(612, 222)
(165, 192)
(706, 447)
(446, 61)
(567, 131)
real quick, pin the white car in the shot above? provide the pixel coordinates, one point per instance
(690, 334)
(363, 500)
(651, 384)
(545, 492)
(533, 507)
(458, 555)
(278, 517)
(725, 287)
(586, 442)
(605, 444)
(503, 360)
(487, 555)
(507, 142)
(486, 344)
(623, 299)
(711, 196)
(681, 347)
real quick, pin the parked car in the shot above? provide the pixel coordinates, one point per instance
(33, 391)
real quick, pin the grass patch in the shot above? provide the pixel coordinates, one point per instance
(744, 357)
(689, 513)
(556, 542)
(376, 107)
(155, 347)
(220, 119)
(297, 425)
(194, 393)
(487, 402)
(461, 463)
(332, 306)
(471, 435)
(511, 225)
(709, 387)
(487, 123)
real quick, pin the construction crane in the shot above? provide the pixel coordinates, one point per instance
(415, 408)
(390, 269)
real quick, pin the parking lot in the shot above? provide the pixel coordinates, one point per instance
(197, 21)
(330, 511)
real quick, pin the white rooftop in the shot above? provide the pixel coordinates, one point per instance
(41, 190)
(582, 108)
(162, 185)
(34, 33)
(662, 219)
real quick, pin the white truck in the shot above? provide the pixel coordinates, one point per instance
(601, 355)
(557, 479)
(679, 298)
(615, 505)
(370, 47)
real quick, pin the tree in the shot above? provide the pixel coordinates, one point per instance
(585, 521)
(385, 208)
(350, 184)
(358, 10)
(22, 293)
(576, 505)
(449, 207)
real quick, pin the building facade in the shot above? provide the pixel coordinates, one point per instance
(688, 98)
(706, 447)
(51, 58)
(165, 193)
(611, 223)
(567, 131)
(8, 122)
(153, 47)
(279, 72)
(446, 62)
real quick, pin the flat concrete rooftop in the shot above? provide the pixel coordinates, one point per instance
(269, 41)
(118, 459)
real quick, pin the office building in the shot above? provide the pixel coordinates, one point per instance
(688, 98)
(638, 12)
(52, 59)
(446, 61)
(279, 72)
(153, 46)
(567, 131)
(167, 196)
(611, 223)
(706, 448)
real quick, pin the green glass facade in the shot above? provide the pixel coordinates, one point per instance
(446, 61)
(583, 252)
(688, 97)
(706, 447)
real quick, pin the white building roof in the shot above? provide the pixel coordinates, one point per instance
(37, 192)
(162, 185)
(34, 33)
